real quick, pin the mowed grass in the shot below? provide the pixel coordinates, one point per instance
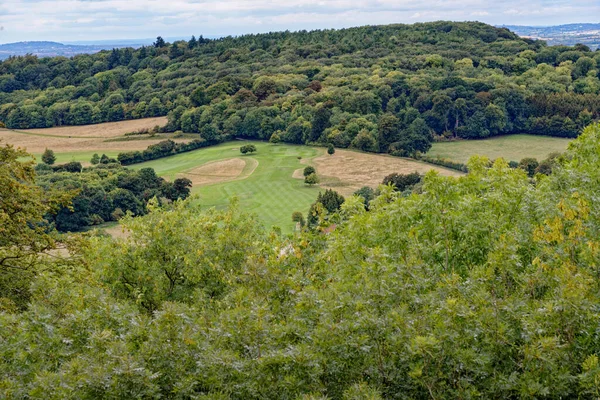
(270, 191)
(510, 147)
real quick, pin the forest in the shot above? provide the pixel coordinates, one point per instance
(392, 88)
(481, 286)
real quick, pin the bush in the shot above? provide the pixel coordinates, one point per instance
(402, 182)
(311, 179)
(48, 157)
(330, 149)
(309, 170)
(249, 148)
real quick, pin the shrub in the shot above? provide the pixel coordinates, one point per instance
(249, 148)
(48, 157)
(309, 170)
(311, 179)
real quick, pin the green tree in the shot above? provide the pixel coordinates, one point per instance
(25, 238)
(529, 165)
(95, 159)
(275, 138)
(330, 149)
(48, 157)
(248, 148)
(308, 170)
(311, 179)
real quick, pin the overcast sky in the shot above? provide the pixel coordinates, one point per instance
(73, 20)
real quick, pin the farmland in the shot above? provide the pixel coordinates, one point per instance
(510, 147)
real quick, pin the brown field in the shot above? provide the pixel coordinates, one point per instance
(220, 171)
(70, 139)
(106, 130)
(347, 171)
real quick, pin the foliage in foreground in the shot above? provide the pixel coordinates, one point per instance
(483, 286)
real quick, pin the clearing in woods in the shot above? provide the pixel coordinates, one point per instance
(510, 147)
(79, 143)
(266, 182)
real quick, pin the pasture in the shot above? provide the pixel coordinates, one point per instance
(510, 147)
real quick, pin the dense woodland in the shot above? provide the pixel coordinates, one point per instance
(376, 88)
(483, 286)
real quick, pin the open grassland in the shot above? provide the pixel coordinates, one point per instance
(79, 143)
(510, 147)
(267, 182)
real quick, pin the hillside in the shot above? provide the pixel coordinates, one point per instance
(374, 88)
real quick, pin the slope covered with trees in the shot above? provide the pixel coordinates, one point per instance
(375, 88)
(483, 286)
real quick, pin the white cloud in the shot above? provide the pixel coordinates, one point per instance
(112, 19)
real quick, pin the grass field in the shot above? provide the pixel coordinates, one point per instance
(265, 185)
(267, 182)
(510, 147)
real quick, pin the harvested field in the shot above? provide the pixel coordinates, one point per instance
(87, 138)
(347, 171)
(220, 171)
(106, 130)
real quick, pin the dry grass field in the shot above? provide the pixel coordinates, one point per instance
(82, 139)
(347, 171)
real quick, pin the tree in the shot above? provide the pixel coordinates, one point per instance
(330, 149)
(48, 157)
(308, 170)
(529, 165)
(24, 232)
(298, 218)
(311, 179)
(95, 159)
(159, 43)
(192, 43)
(402, 182)
(249, 148)
(275, 138)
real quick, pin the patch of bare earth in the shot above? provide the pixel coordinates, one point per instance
(347, 171)
(220, 171)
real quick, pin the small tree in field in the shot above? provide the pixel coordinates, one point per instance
(311, 179)
(48, 157)
(249, 148)
(298, 218)
(95, 159)
(330, 149)
(275, 138)
(309, 170)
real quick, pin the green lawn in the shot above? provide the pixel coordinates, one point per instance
(270, 191)
(510, 147)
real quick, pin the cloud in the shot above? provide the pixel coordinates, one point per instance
(68, 20)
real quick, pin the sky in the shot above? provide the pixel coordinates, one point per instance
(89, 20)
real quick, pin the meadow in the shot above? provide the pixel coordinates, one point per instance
(510, 147)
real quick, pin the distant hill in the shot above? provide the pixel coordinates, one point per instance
(53, 49)
(570, 34)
